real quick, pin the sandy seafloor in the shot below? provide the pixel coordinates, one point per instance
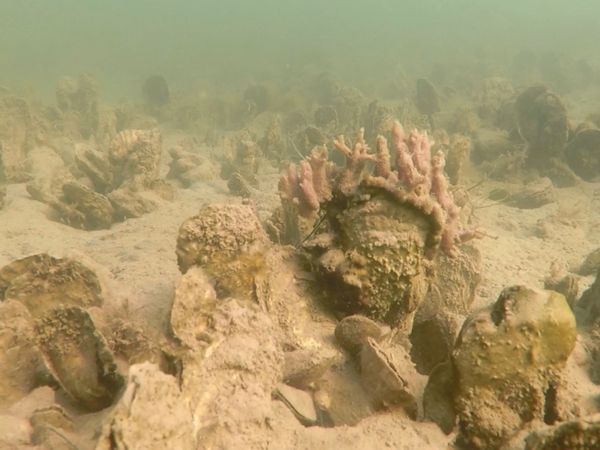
(138, 255)
(136, 258)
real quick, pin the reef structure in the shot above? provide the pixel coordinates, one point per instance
(376, 234)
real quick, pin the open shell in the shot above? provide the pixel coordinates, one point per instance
(78, 357)
(382, 380)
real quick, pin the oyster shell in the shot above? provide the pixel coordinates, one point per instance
(299, 402)
(382, 379)
(78, 357)
(18, 353)
(42, 282)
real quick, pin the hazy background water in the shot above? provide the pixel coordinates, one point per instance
(123, 41)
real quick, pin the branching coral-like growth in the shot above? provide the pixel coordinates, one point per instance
(356, 161)
(417, 180)
(312, 188)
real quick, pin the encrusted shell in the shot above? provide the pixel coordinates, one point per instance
(123, 143)
(78, 357)
(42, 282)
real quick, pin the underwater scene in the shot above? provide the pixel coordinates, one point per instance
(284, 225)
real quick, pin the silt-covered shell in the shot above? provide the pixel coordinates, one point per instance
(78, 357)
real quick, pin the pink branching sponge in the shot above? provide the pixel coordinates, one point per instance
(417, 179)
